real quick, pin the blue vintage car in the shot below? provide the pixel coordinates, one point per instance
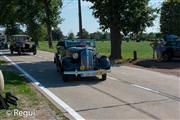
(168, 48)
(79, 58)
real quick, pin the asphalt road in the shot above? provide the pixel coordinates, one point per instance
(128, 93)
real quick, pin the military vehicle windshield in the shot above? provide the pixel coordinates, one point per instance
(20, 38)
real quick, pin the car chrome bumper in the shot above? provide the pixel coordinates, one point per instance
(96, 72)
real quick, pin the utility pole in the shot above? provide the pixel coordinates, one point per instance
(80, 19)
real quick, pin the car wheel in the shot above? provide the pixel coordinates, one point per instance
(104, 76)
(12, 51)
(66, 78)
(34, 51)
(19, 51)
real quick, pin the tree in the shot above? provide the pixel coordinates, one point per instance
(96, 35)
(122, 17)
(170, 18)
(52, 17)
(85, 34)
(106, 36)
(30, 14)
(71, 35)
(8, 16)
(57, 34)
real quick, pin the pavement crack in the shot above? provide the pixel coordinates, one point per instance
(112, 106)
(126, 103)
(172, 97)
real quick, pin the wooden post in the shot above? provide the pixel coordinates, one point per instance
(134, 55)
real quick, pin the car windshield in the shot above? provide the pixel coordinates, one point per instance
(20, 38)
(80, 43)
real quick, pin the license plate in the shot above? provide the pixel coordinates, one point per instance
(88, 74)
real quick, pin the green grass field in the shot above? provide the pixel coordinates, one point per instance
(143, 48)
(19, 87)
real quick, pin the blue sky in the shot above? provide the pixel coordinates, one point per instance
(70, 15)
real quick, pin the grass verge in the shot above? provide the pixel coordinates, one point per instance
(29, 100)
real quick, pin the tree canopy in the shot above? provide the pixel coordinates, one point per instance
(85, 34)
(170, 18)
(122, 17)
(34, 14)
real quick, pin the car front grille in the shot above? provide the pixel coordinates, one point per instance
(87, 59)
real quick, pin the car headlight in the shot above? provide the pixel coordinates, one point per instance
(98, 56)
(75, 55)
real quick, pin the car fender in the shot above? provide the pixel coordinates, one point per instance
(105, 62)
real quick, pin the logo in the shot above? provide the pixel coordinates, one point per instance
(8, 112)
(20, 113)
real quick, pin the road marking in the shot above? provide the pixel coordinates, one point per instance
(134, 85)
(60, 102)
(145, 88)
(148, 89)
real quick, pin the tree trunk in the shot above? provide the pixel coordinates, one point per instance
(48, 24)
(116, 40)
(49, 30)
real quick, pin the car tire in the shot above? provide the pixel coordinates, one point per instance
(12, 51)
(65, 78)
(34, 51)
(104, 77)
(19, 51)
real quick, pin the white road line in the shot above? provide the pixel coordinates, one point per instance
(145, 88)
(60, 102)
(137, 86)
